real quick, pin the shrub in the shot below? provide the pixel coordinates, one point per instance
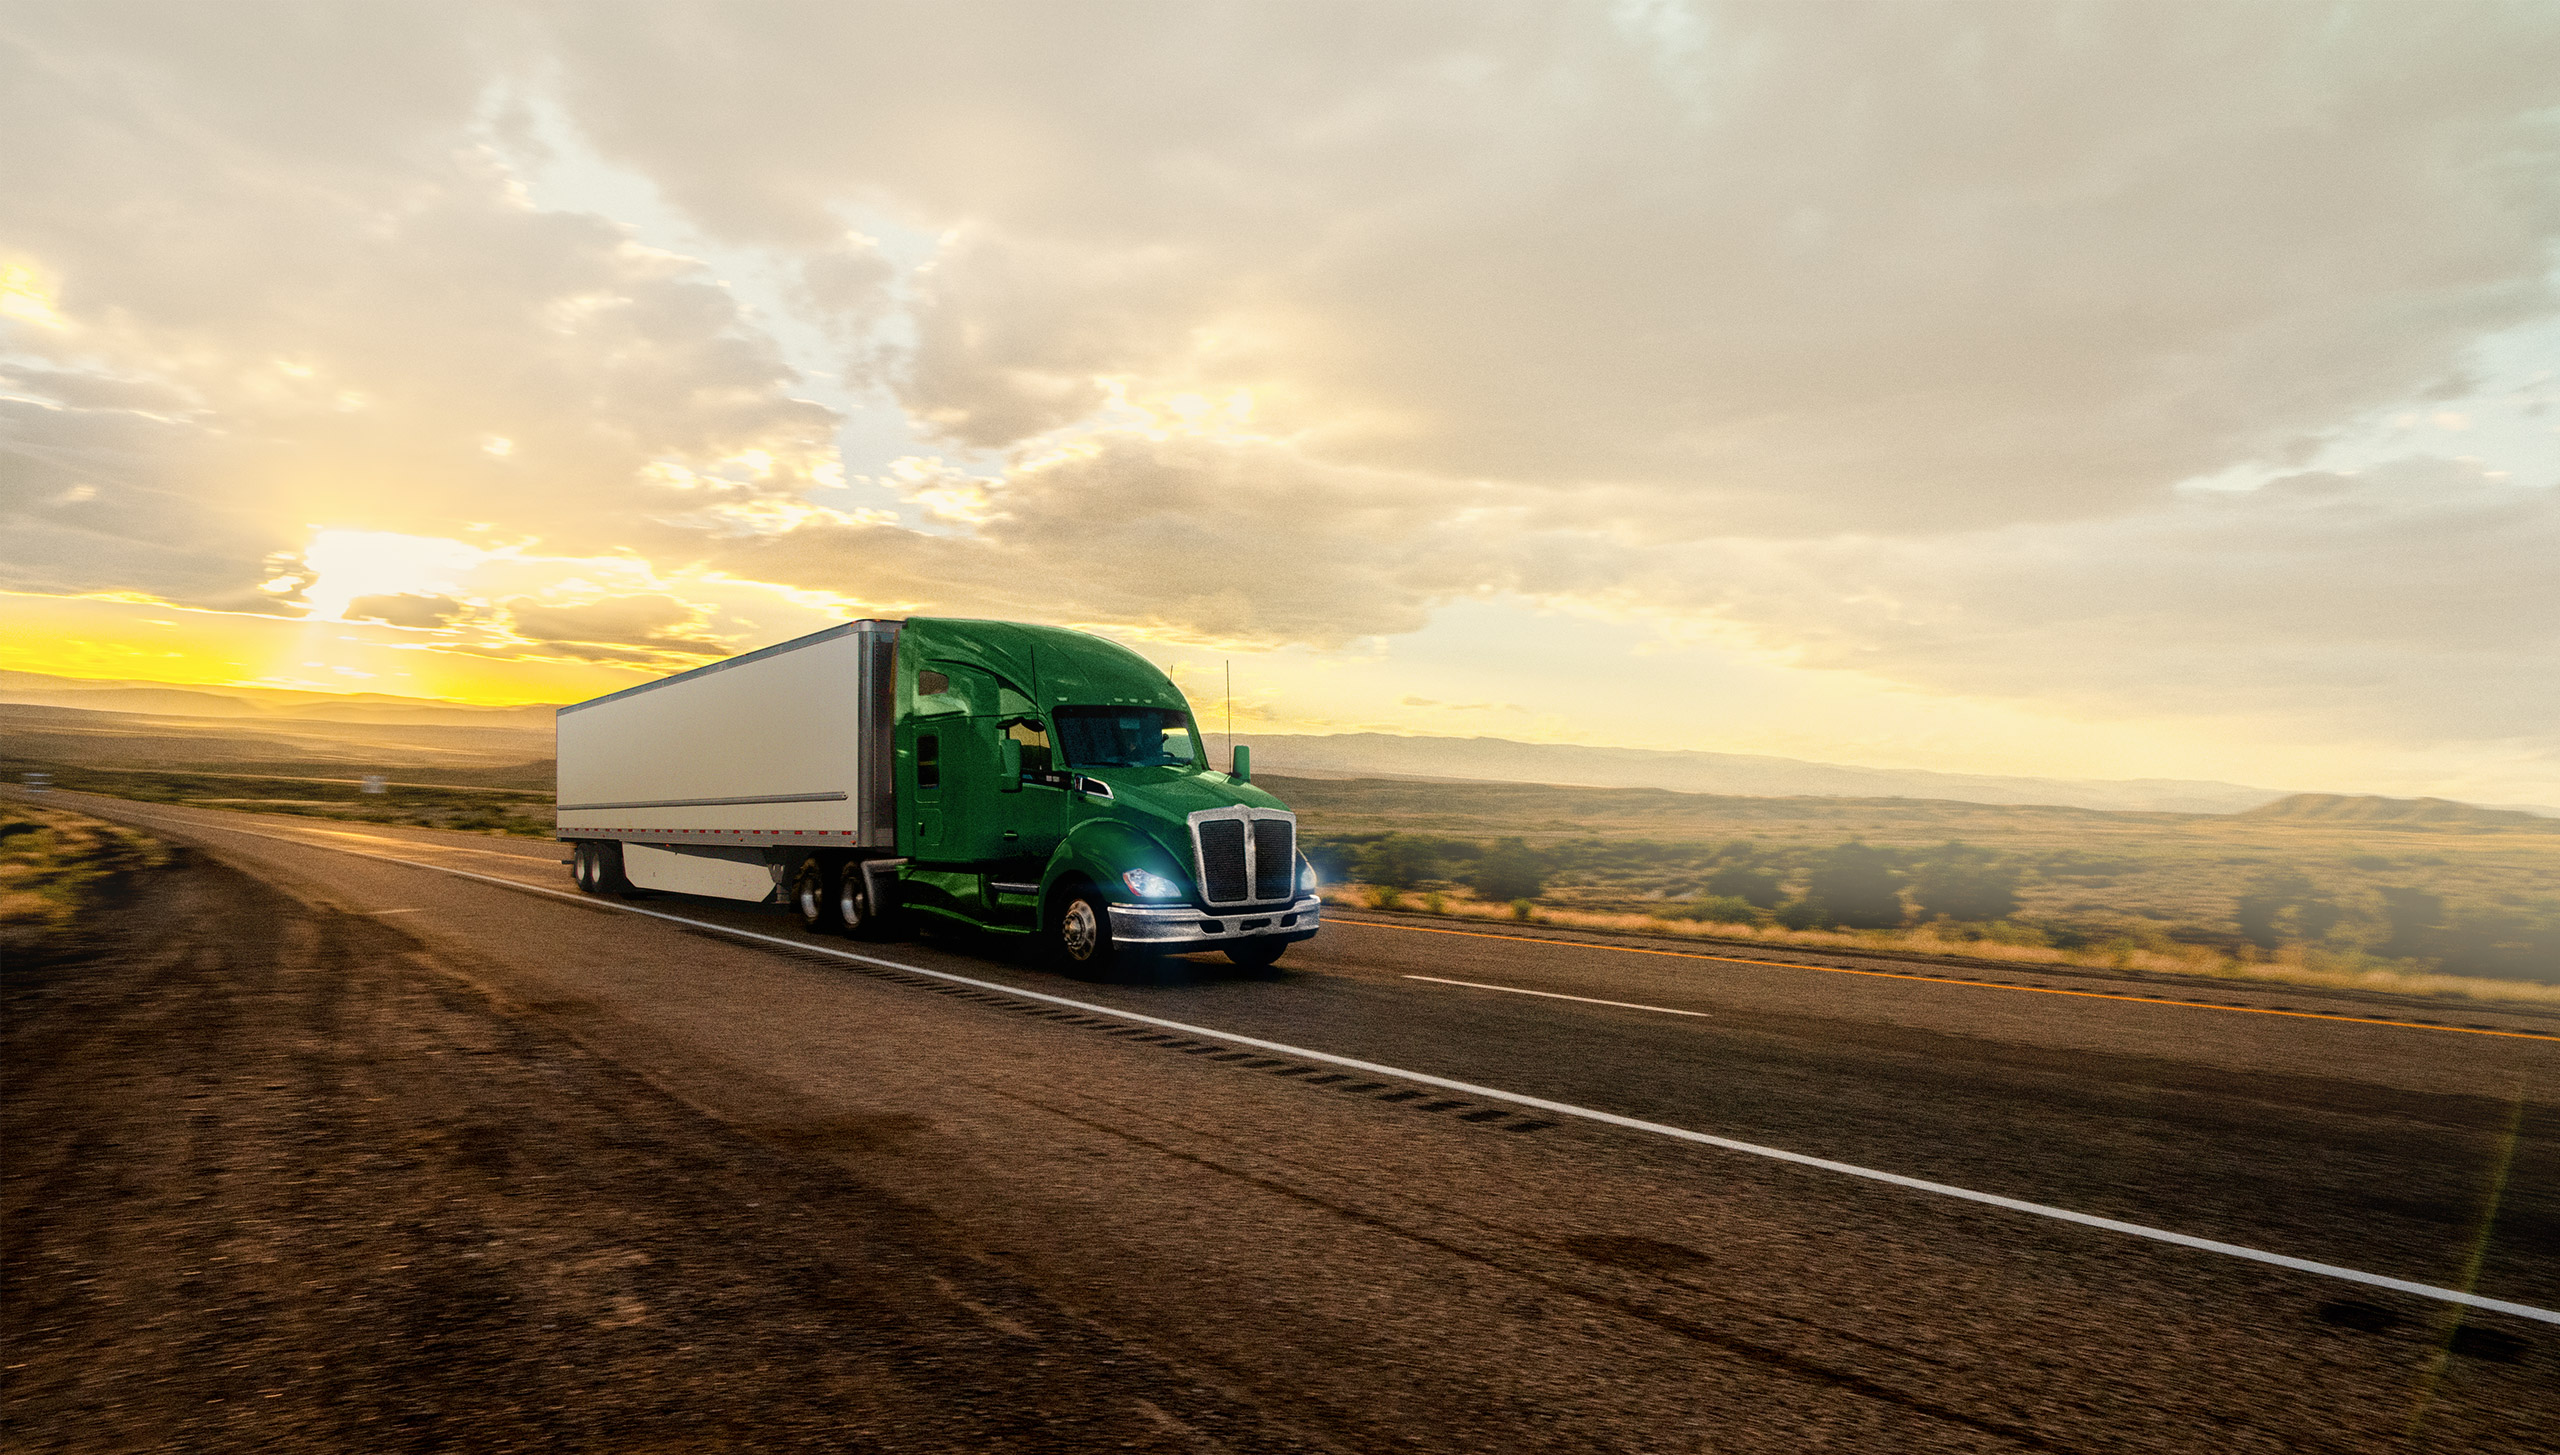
(2503, 943)
(1435, 903)
(2416, 919)
(1385, 896)
(1723, 909)
(1508, 870)
(1965, 883)
(1856, 885)
(1807, 913)
(1522, 909)
(1756, 887)
(2280, 905)
(1398, 861)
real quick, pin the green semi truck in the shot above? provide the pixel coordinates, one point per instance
(1021, 780)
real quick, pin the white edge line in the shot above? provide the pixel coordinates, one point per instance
(1567, 1109)
(1552, 995)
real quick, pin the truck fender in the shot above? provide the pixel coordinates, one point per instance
(1099, 851)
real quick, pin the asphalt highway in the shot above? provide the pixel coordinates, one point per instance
(1454, 1187)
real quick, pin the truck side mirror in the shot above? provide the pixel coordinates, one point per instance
(1008, 765)
(1242, 772)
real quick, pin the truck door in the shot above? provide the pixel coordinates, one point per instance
(939, 717)
(963, 814)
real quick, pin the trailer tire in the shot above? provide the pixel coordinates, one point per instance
(582, 862)
(813, 894)
(609, 876)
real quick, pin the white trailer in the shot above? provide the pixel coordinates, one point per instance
(716, 781)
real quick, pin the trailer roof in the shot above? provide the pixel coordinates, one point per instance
(826, 634)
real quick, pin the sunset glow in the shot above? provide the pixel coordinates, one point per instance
(1601, 383)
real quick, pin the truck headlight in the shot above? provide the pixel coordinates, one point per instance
(1148, 885)
(1306, 876)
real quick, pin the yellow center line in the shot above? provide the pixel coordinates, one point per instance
(2308, 1015)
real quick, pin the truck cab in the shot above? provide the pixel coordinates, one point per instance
(1053, 783)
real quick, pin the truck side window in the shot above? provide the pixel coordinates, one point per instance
(929, 761)
(1035, 745)
(930, 683)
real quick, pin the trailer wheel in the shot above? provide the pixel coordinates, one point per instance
(1081, 937)
(609, 876)
(813, 894)
(582, 865)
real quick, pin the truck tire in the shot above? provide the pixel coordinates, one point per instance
(813, 894)
(1080, 937)
(597, 866)
(852, 901)
(1257, 954)
(609, 875)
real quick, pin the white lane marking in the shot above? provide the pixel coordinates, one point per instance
(1552, 995)
(1559, 1108)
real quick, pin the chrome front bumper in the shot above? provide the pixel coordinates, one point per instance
(1184, 925)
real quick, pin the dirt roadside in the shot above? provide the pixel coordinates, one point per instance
(275, 1179)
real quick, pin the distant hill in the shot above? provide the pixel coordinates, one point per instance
(265, 712)
(1498, 760)
(2382, 812)
(98, 695)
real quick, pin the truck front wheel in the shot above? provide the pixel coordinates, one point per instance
(1257, 954)
(813, 894)
(1081, 937)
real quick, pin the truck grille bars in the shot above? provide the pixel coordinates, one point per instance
(1275, 857)
(1246, 855)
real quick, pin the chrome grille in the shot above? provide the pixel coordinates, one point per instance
(1222, 860)
(1246, 855)
(1275, 857)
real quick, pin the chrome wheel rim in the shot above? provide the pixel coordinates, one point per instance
(808, 893)
(1079, 932)
(849, 898)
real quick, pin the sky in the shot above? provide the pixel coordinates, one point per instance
(2098, 391)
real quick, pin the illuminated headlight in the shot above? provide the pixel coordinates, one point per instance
(1306, 877)
(1148, 885)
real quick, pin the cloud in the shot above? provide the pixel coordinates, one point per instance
(409, 609)
(100, 501)
(296, 300)
(2414, 601)
(635, 628)
(1885, 336)
(1805, 269)
(1182, 538)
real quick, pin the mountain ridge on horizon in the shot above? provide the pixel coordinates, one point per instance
(1363, 754)
(1505, 760)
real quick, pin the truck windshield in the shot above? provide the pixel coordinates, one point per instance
(1124, 737)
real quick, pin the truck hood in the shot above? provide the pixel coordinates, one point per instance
(1159, 802)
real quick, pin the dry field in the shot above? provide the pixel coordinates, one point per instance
(2147, 890)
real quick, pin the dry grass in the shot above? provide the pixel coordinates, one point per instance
(54, 864)
(2294, 965)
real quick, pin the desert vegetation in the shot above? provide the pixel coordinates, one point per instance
(2444, 899)
(468, 809)
(54, 865)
